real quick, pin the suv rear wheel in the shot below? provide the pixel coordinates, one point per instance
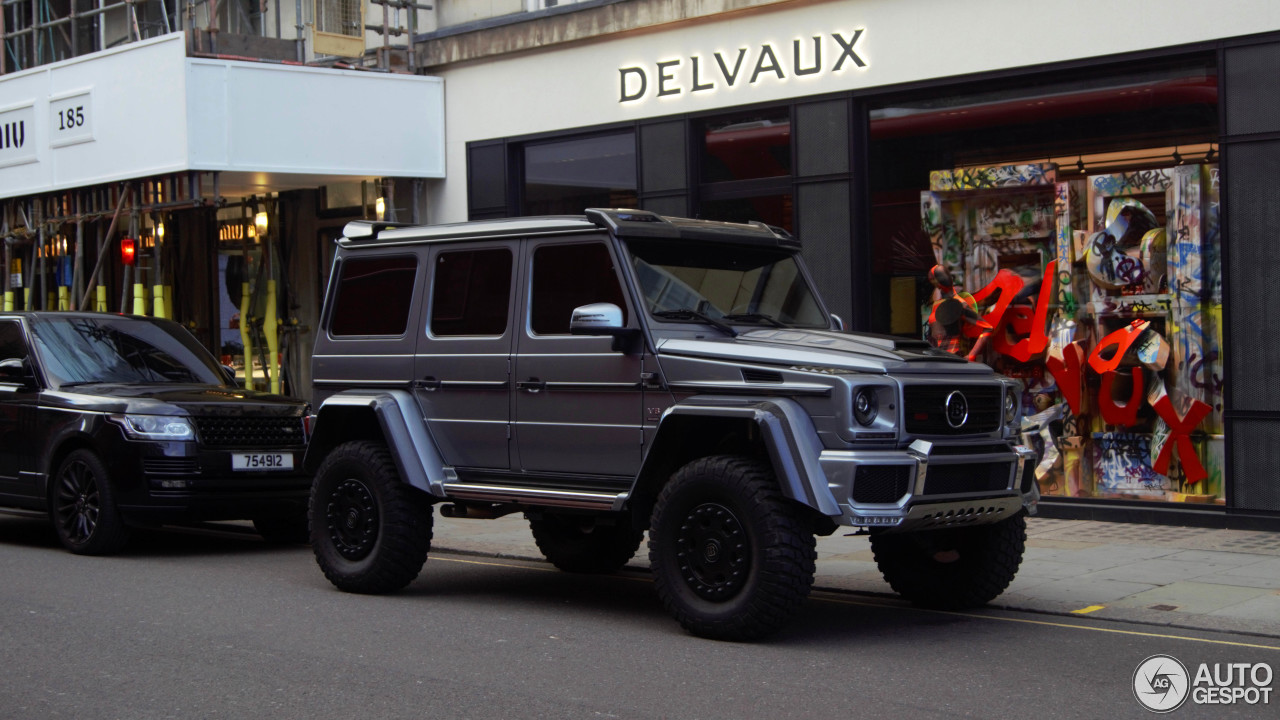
(582, 546)
(370, 532)
(731, 557)
(952, 568)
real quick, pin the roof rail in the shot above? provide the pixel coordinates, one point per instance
(369, 229)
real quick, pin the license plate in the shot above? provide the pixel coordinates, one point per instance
(262, 461)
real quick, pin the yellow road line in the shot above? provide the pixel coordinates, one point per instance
(824, 597)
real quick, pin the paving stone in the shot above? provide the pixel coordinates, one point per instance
(1160, 571)
(1265, 608)
(1192, 597)
(1084, 592)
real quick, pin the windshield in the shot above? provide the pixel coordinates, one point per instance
(125, 350)
(734, 283)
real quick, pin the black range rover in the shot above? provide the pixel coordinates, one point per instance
(108, 422)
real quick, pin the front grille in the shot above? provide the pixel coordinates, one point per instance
(880, 483)
(926, 409)
(979, 477)
(171, 466)
(250, 431)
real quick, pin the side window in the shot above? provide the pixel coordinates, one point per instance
(471, 292)
(12, 345)
(373, 296)
(569, 276)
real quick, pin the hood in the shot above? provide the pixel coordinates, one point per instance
(861, 352)
(165, 399)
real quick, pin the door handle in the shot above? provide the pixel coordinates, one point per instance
(532, 385)
(429, 383)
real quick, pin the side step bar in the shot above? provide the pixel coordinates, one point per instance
(604, 501)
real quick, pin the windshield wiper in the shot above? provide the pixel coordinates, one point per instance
(690, 314)
(756, 317)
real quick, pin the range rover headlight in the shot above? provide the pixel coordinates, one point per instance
(156, 427)
(866, 405)
(1010, 405)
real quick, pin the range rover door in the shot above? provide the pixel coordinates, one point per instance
(578, 403)
(462, 364)
(19, 404)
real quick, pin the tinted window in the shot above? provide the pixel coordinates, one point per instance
(569, 276)
(471, 292)
(12, 344)
(120, 350)
(373, 296)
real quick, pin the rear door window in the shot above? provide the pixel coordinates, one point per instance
(471, 292)
(374, 296)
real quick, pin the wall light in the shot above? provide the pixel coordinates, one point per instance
(260, 224)
(380, 207)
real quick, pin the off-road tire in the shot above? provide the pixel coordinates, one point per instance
(370, 531)
(579, 546)
(732, 559)
(285, 528)
(921, 567)
(82, 506)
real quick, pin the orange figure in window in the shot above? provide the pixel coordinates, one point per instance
(954, 319)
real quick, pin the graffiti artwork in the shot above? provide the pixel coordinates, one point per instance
(1115, 332)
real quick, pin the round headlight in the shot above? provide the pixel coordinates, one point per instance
(865, 406)
(1010, 405)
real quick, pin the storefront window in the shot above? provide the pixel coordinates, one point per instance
(773, 210)
(1068, 236)
(747, 146)
(568, 176)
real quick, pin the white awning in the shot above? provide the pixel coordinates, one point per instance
(147, 109)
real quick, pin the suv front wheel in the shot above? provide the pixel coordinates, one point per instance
(731, 557)
(369, 530)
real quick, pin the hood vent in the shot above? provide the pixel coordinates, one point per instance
(761, 376)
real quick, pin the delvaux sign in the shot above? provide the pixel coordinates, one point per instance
(813, 56)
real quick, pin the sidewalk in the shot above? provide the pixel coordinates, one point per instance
(1227, 580)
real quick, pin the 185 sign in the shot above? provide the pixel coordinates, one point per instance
(71, 119)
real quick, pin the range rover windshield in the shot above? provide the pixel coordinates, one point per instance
(724, 285)
(78, 350)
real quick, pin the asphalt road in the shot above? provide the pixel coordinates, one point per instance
(221, 625)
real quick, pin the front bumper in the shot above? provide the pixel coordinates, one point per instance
(928, 485)
(185, 482)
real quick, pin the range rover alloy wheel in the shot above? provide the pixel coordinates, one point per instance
(952, 568)
(370, 531)
(83, 509)
(732, 558)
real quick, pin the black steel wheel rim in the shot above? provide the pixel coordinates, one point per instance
(714, 552)
(352, 518)
(78, 502)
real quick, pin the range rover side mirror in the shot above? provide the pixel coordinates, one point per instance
(16, 371)
(603, 319)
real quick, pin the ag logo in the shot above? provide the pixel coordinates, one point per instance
(1161, 683)
(957, 407)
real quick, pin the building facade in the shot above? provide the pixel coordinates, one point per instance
(1094, 179)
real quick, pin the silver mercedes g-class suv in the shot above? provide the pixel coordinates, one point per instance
(622, 371)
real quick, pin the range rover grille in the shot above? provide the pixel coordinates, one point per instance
(926, 409)
(171, 466)
(250, 431)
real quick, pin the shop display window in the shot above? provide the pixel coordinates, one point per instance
(568, 176)
(1101, 291)
(748, 146)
